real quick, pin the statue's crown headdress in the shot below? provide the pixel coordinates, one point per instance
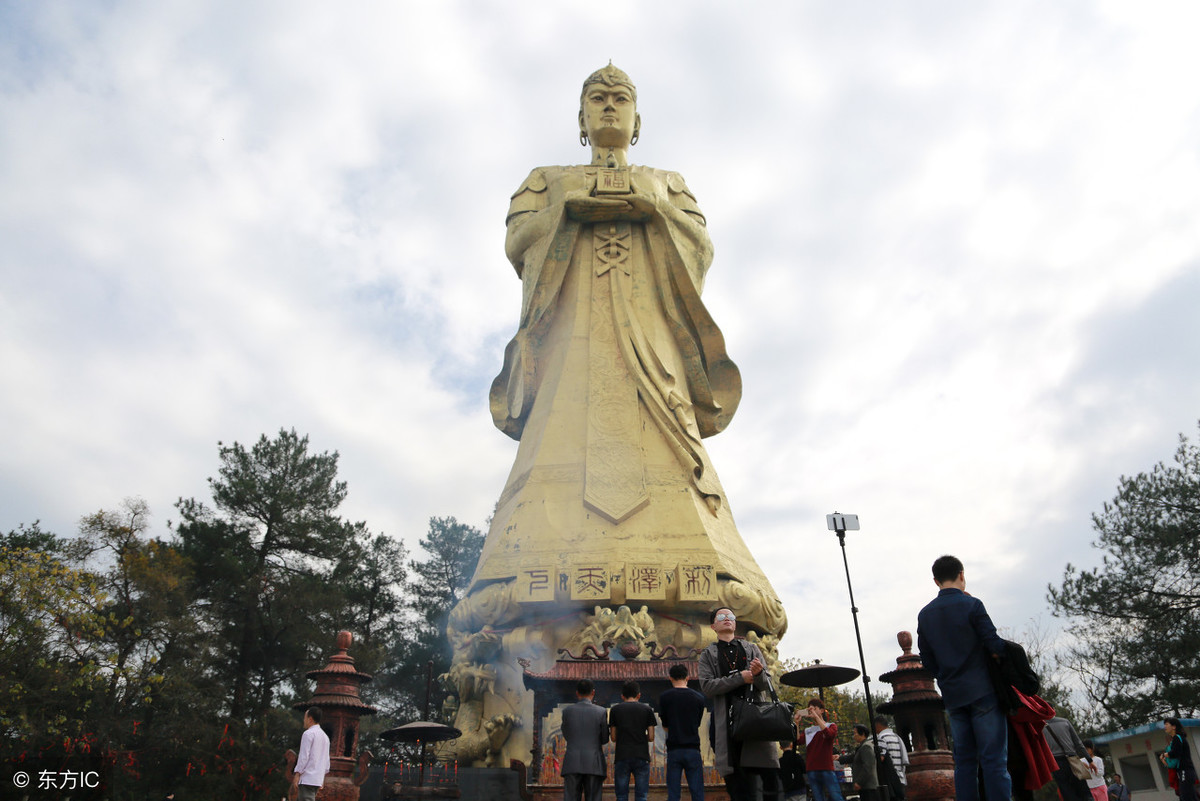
(611, 76)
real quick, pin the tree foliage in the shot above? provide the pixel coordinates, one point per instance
(45, 691)
(373, 577)
(93, 623)
(172, 664)
(1042, 648)
(141, 609)
(264, 556)
(1137, 616)
(438, 579)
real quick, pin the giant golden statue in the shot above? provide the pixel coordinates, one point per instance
(615, 375)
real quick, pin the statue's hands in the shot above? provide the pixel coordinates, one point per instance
(643, 207)
(631, 208)
(595, 209)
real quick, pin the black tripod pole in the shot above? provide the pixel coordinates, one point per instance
(425, 716)
(862, 662)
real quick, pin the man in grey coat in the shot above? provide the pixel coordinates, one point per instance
(585, 728)
(732, 667)
(1064, 742)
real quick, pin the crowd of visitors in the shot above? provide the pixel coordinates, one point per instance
(1007, 742)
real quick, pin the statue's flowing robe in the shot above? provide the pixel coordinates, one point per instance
(615, 375)
(668, 343)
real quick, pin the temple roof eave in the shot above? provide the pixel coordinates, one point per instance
(340, 701)
(570, 671)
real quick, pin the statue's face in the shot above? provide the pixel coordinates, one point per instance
(609, 115)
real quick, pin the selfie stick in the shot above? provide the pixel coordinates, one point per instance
(840, 524)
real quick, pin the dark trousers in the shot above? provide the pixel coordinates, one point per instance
(1187, 785)
(640, 770)
(582, 786)
(980, 732)
(1071, 788)
(752, 784)
(685, 762)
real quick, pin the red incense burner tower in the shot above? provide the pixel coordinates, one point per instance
(337, 694)
(920, 717)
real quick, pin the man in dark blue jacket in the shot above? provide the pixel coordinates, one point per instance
(681, 709)
(956, 638)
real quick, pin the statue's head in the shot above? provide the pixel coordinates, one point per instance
(608, 109)
(608, 76)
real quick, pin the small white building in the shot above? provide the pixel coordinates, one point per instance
(1134, 754)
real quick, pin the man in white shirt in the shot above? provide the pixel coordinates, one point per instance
(313, 762)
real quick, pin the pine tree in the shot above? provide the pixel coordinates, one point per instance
(1137, 616)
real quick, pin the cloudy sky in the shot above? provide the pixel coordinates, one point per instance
(956, 260)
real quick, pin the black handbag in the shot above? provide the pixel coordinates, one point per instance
(761, 721)
(888, 776)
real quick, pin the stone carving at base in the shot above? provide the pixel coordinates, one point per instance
(588, 652)
(769, 645)
(483, 743)
(492, 708)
